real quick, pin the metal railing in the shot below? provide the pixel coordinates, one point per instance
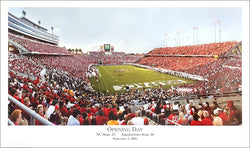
(32, 113)
(175, 123)
(157, 119)
(10, 123)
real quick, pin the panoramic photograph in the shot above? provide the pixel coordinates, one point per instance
(124, 73)
(124, 66)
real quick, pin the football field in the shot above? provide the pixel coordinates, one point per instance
(114, 79)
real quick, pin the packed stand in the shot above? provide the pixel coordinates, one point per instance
(116, 58)
(76, 65)
(23, 64)
(175, 63)
(77, 106)
(202, 49)
(224, 73)
(221, 76)
(234, 62)
(37, 46)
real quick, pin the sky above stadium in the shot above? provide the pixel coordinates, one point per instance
(136, 30)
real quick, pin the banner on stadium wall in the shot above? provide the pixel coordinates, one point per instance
(216, 56)
(101, 48)
(112, 48)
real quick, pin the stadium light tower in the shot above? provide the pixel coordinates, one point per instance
(220, 35)
(178, 37)
(24, 13)
(165, 39)
(52, 28)
(215, 23)
(193, 35)
(197, 34)
(199, 39)
(219, 22)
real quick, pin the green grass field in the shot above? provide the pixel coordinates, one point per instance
(115, 79)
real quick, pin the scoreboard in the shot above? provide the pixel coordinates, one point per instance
(107, 47)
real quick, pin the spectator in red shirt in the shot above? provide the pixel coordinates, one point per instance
(108, 110)
(83, 108)
(100, 118)
(207, 108)
(223, 116)
(230, 103)
(173, 117)
(90, 114)
(232, 113)
(132, 115)
(63, 109)
(92, 109)
(182, 119)
(196, 121)
(146, 122)
(81, 120)
(207, 120)
(40, 111)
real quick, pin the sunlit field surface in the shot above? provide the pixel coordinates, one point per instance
(116, 78)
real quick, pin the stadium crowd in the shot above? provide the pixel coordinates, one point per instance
(37, 46)
(74, 65)
(116, 58)
(223, 73)
(72, 103)
(202, 49)
(221, 76)
(23, 64)
(63, 93)
(175, 63)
